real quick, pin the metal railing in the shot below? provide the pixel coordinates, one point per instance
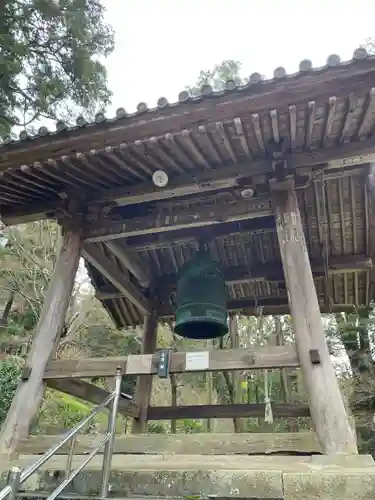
(17, 476)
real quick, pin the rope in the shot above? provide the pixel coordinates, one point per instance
(268, 415)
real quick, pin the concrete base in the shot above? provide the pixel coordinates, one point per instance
(335, 477)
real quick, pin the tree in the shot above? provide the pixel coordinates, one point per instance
(218, 76)
(369, 45)
(49, 60)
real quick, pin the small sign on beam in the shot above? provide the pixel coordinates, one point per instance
(197, 361)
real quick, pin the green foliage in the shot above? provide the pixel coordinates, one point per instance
(50, 60)
(185, 426)
(103, 340)
(63, 411)
(10, 371)
(156, 428)
(217, 77)
(189, 426)
(26, 267)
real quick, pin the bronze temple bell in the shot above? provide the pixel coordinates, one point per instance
(201, 300)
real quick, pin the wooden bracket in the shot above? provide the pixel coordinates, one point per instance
(315, 356)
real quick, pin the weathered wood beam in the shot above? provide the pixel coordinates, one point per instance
(89, 392)
(143, 387)
(30, 392)
(327, 408)
(226, 411)
(230, 176)
(269, 307)
(260, 272)
(187, 444)
(222, 178)
(162, 222)
(131, 261)
(196, 234)
(370, 223)
(142, 364)
(97, 259)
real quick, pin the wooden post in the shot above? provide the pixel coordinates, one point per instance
(30, 392)
(326, 404)
(144, 382)
(173, 379)
(238, 424)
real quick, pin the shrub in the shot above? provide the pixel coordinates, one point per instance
(10, 373)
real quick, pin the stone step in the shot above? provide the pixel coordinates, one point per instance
(44, 494)
(246, 477)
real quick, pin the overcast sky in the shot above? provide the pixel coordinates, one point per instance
(161, 45)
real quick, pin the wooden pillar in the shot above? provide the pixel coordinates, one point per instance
(326, 404)
(30, 392)
(144, 382)
(173, 379)
(238, 423)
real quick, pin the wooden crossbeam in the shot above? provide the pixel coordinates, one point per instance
(260, 272)
(162, 222)
(95, 257)
(226, 411)
(89, 392)
(187, 444)
(181, 362)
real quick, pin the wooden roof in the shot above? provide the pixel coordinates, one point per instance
(214, 147)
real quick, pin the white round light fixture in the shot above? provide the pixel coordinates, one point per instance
(160, 178)
(247, 193)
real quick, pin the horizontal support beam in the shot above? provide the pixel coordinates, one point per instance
(230, 176)
(181, 362)
(345, 155)
(89, 392)
(263, 306)
(187, 444)
(226, 411)
(163, 222)
(111, 272)
(259, 272)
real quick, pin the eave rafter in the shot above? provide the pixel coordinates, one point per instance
(131, 261)
(240, 174)
(110, 271)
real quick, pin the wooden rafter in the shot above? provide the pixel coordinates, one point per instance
(131, 261)
(97, 259)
